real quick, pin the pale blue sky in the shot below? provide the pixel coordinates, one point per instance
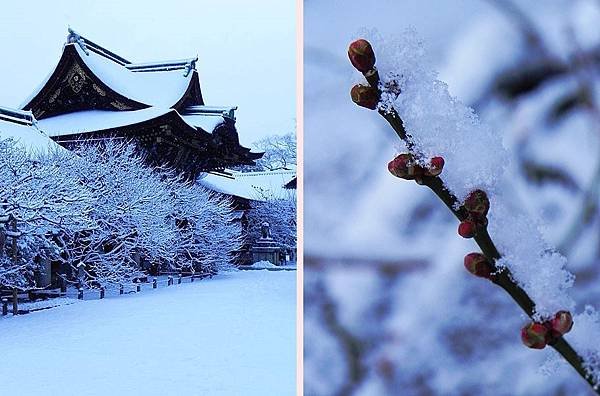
(246, 49)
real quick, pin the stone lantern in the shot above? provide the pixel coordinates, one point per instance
(265, 248)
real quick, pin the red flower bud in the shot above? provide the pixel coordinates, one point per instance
(365, 96)
(561, 323)
(436, 164)
(477, 202)
(535, 335)
(478, 265)
(399, 166)
(361, 55)
(467, 229)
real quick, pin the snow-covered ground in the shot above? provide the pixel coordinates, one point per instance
(232, 335)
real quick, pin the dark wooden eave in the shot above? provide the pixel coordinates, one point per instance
(169, 140)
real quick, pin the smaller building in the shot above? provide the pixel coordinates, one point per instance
(259, 197)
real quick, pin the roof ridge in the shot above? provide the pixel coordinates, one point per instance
(262, 173)
(224, 111)
(87, 44)
(188, 64)
(17, 116)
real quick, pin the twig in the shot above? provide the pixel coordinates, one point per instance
(502, 276)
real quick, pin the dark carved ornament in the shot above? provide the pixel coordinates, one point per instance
(73, 87)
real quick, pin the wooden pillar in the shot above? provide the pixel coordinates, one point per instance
(15, 302)
(14, 239)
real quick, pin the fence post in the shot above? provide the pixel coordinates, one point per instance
(101, 292)
(170, 281)
(80, 294)
(192, 280)
(15, 302)
(179, 280)
(120, 289)
(63, 287)
(137, 286)
(4, 306)
(154, 283)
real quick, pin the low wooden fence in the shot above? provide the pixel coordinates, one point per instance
(91, 294)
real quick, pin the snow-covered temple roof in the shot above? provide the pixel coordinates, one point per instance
(93, 93)
(255, 186)
(21, 127)
(163, 83)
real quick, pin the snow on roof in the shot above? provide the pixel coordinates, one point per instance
(99, 120)
(206, 122)
(161, 83)
(96, 120)
(156, 88)
(256, 186)
(208, 117)
(20, 126)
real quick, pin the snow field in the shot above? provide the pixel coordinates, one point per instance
(232, 335)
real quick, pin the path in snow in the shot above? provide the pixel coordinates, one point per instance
(232, 335)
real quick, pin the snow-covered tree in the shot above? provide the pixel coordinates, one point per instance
(40, 203)
(279, 153)
(208, 238)
(145, 215)
(129, 217)
(280, 213)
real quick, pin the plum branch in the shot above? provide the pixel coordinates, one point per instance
(471, 215)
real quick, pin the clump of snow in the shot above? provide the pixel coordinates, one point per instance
(534, 264)
(263, 264)
(439, 124)
(475, 157)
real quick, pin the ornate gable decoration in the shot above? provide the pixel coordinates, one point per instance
(73, 87)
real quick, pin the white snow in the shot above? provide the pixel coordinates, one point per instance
(264, 265)
(206, 122)
(28, 137)
(475, 158)
(97, 120)
(232, 335)
(440, 124)
(162, 89)
(258, 186)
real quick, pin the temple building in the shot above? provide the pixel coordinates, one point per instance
(94, 94)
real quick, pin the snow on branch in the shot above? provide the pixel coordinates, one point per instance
(439, 132)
